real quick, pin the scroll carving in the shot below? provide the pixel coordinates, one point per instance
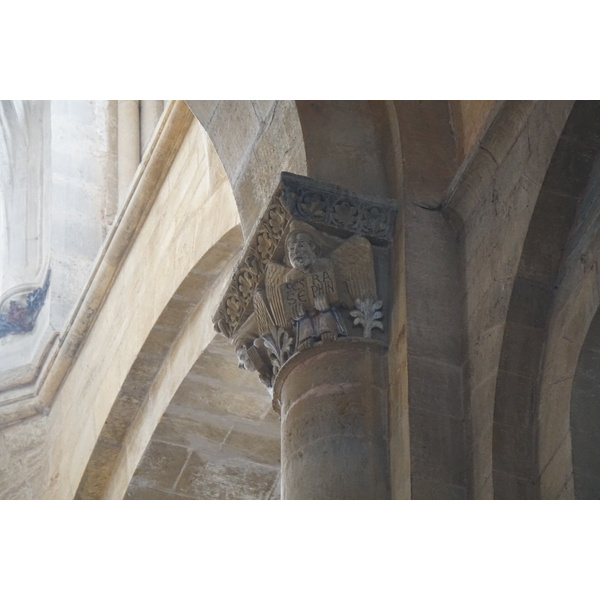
(308, 275)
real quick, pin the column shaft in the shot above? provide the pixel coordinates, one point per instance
(128, 144)
(334, 423)
(150, 114)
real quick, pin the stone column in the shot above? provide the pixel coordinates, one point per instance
(305, 310)
(334, 423)
(128, 144)
(150, 111)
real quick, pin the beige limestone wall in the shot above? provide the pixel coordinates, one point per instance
(197, 333)
(78, 176)
(192, 210)
(179, 206)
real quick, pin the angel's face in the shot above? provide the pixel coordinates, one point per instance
(301, 251)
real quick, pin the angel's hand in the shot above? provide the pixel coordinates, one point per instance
(297, 311)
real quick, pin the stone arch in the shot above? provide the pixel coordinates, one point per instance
(531, 355)
(255, 141)
(181, 210)
(585, 418)
(252, 142)
(492, 200)
(569, 347)
(179, 336)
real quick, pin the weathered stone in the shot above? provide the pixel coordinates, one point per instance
(489, 288)
(208, 478)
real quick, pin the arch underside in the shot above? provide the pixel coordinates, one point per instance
(224, 422)
(548, 315)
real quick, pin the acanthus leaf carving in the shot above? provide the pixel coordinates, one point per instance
(368, 315)
(279, 344)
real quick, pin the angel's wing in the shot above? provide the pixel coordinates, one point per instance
(264, 319)
(355, 270)
(274, 278)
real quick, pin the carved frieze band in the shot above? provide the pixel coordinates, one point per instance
(324, 204)
(327, 207)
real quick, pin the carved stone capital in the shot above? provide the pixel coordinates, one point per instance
(314, 271)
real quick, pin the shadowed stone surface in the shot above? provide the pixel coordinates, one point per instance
(218, 440)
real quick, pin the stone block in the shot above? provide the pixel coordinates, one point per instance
(139, 491)
(257, 447)
(98, 472)
(530, 303)
(276, 490)
(586, 450)
(429, 489)
(510, 487)
(263, 108)
(438, 447)
(188, 431)
(568, 491)
(586, 487)
(435, 386)
(399, 431)
(585, 408)
(159, 341)
(23, 462)
(175, 313)
(225, 363)
(483, 354)
(514, 450)
(471, 117)
(208, 478)
(278, 149)
(570, 168)
(546, 241)
(515, 402)
(203, 110)
(120, 418)
(555, 475)
(211, 395)
(193, 288)
(161, 464)
(83, 234)
(522, 349)
(335, 468)
(368, 369)
(554, 418)
(481, 451)
(355, 411)
(429, 342)
(238, 130)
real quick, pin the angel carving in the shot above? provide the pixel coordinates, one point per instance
(306, 298)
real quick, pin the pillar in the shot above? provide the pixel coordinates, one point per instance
(128, 144)
(306, 311)
(150, 112)
(334, 423)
